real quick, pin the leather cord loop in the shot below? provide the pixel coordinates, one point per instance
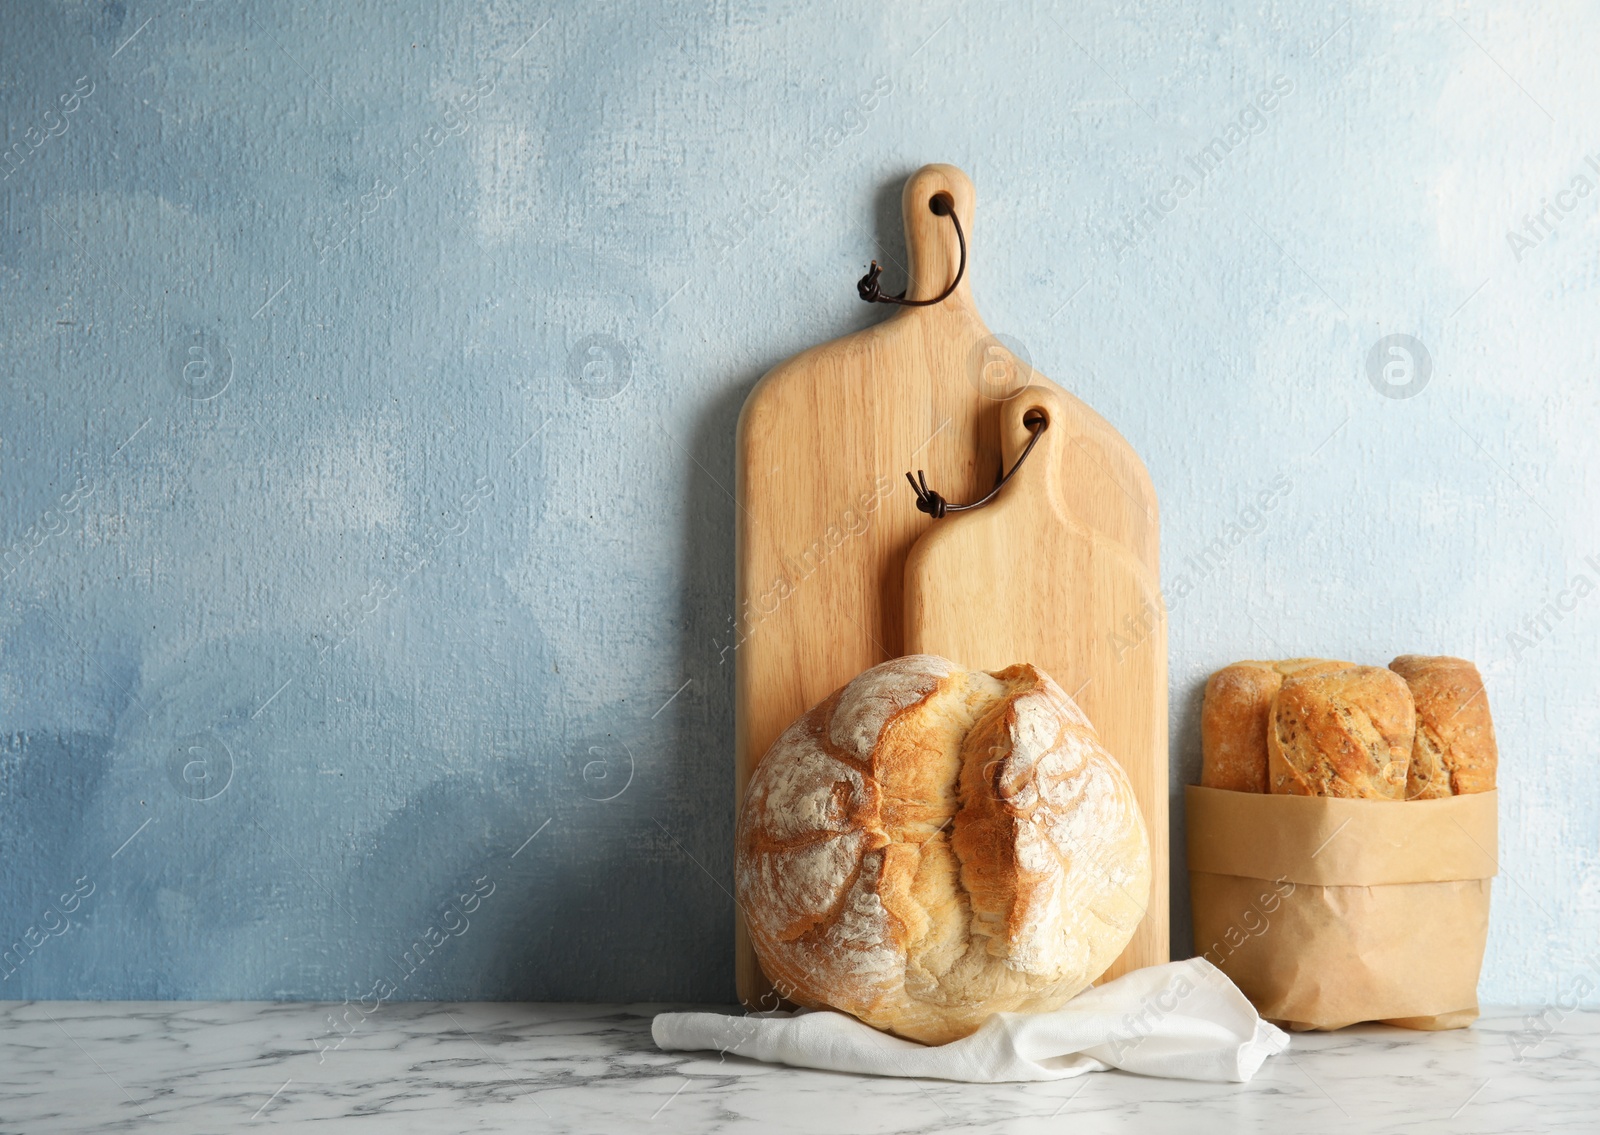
(941, 205)
(936, 506)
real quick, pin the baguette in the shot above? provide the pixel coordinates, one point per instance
(1233, 719)
(1346, 733)
(1455, 751)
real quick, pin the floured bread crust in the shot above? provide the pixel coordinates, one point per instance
(932, 845)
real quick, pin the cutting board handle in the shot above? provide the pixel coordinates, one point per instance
(931, 244)
(1042, 469)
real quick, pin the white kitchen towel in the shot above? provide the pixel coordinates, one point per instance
(1184, 1020)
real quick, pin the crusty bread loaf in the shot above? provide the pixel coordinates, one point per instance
(1455, 751)
(931, 845)
(1343, 733)
(1233, 719)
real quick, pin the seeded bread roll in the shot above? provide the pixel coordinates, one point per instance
(1233, 719)
(1455, 751)
(932, 845)
(1345, 733)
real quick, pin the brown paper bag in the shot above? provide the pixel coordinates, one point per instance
(1326, 912)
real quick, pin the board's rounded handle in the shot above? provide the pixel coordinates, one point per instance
(1020, 432)
(1030, 411)
(931, 243)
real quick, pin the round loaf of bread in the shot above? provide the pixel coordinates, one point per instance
(932, 845)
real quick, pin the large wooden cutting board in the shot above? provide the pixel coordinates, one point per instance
(1074, 602)
(826, 521)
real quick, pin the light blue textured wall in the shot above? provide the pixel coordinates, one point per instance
(369, 381)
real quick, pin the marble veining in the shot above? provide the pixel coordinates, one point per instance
(79, 1066)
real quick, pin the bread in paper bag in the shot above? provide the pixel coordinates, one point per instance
(1327, 911)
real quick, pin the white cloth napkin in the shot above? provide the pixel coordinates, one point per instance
(1184, 1020)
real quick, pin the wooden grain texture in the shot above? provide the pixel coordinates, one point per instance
(1024, 579)
(825, 519)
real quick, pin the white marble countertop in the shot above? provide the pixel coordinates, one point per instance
(80, 1066)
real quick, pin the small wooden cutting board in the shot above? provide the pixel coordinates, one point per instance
(826, 523)
(1024, 579)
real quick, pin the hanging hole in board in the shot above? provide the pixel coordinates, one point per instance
(941, 204)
